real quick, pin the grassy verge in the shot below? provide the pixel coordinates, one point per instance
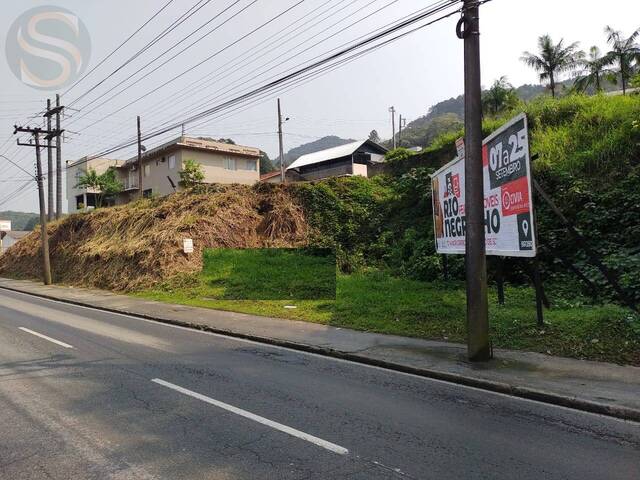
(377, 302)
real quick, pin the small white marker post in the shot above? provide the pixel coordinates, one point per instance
(187, 245)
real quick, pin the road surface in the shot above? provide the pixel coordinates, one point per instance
(86, 394)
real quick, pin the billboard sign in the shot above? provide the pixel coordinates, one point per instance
(5, 225)
(509, 226)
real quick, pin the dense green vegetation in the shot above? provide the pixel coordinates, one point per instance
(589, 156)
(21, 220)
(269, 274)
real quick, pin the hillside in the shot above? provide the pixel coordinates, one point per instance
(21, 220)
(139, 244)
(447, 116)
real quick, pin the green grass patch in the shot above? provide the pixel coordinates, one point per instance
(270, 274)
(377, 302)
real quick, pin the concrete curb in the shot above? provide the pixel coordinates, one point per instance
(615, 411)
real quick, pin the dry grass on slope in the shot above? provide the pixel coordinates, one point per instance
(137, 245)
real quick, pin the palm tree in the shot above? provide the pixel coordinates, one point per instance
(623, 52)
(553, 59)
(501, 96)
(103, 185)
(594, 71)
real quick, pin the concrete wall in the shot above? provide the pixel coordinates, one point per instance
(360, 170)
(156, 170)
(216, 167)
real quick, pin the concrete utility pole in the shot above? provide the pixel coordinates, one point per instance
(282, 169)
(478, 343)
(57, 133)
(140, 190)
(50, 186)
(44, 237)
(58, 160)
(392, 110)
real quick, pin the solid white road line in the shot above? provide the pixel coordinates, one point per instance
(256, 418)
(53, 340)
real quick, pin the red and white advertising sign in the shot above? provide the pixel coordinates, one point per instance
(509, 226)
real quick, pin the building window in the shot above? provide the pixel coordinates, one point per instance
(147, 193)
(172, 162)
(252, 165)
(230, 163)
(80, 202)
(147, 170)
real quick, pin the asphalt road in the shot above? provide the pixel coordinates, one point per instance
(86, 394)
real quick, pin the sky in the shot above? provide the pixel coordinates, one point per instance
(410, 74)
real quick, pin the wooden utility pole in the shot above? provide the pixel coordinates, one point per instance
(281, 149)
(58, 160)
(50, 185)
(140, 190)
(478, 343)
(392, 110)
(44, 237)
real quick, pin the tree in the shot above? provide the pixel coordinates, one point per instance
(105, 185)
(374, 137)
(266, 165)
(623, 53)
(500, 97)
(553, 59)
(594, 71)
(191, 174)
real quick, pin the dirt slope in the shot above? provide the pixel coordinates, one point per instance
(136, 245)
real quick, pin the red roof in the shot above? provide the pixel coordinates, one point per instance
(269, 175)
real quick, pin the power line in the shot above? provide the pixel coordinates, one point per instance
(253, 51)
(16, 165)
(219, 95)
(284, 54)
(236, 85)
(266, 43)
(15, 193)
(176, 23)
(167, 51)
(305, 70)
(208, 58)
(118, 47)
(328, 59)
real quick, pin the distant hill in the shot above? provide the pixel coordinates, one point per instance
(21, 220)
(329, 141)
(448, 115)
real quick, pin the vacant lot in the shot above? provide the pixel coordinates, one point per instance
(270, 282)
